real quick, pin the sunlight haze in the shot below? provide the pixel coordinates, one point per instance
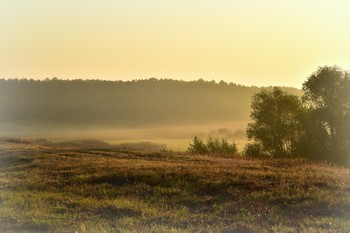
(253, 42)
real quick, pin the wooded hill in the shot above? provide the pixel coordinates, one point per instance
(123, 103)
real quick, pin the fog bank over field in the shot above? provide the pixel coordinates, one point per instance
(116, 110)
(174, 137)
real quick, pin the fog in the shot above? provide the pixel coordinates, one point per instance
(175, 138)
(161, 111)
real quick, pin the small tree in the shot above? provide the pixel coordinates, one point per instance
(276, 127)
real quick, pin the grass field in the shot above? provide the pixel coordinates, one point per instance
(61, 189)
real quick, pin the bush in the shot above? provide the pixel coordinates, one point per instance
(227, 148)
(197, 147)
(255, 150)
(212, 146)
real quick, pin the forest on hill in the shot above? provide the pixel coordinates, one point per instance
(123, 103)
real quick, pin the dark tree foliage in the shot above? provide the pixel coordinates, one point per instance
(255, 150)
(327, 97)
(318, 128)
(277, 127)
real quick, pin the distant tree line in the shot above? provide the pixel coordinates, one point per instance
(94, 103)
(315, 126)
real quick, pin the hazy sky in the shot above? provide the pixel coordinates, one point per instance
(251, 42)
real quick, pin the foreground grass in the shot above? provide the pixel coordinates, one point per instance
(47, 189)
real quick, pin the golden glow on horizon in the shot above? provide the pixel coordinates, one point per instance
(256, 43)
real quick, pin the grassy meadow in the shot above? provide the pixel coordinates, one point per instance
(58, 188)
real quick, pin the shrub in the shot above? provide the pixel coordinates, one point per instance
(227, 148)
(197, 147)
(212, 146)
(255, 150)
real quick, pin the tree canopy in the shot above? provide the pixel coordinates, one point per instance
(327, 97)
(317, 127)
(276, 115)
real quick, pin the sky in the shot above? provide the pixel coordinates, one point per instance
(250, 42)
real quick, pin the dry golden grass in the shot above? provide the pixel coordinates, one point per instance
(48, 189)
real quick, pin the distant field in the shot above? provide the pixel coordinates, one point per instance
(60, 189)
(176, 137)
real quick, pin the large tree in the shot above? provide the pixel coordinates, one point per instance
(276, 127)
(327, 96)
